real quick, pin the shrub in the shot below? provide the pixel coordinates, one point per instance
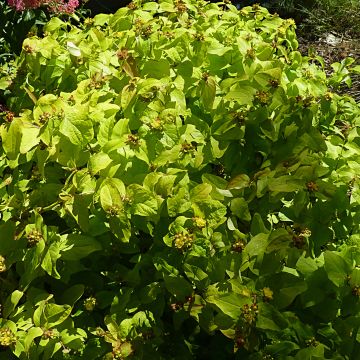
(15, 27)
(178, 182)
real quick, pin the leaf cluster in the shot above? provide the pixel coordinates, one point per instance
(178, 182)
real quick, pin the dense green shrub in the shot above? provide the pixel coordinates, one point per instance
(178, 182)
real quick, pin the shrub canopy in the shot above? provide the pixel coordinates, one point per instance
(178, 182)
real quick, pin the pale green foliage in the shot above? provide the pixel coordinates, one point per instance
(178, 183)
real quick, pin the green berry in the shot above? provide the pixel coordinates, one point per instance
(34, 237)
(199, 222)
(3, 267)
(183, 240)
(7, 337)
(90, 303)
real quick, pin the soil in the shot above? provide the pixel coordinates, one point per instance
(333, 48)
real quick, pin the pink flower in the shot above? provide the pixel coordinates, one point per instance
(60, 6)
(21, 5)
(54, 6)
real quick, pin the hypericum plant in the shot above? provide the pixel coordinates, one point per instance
(178, 182)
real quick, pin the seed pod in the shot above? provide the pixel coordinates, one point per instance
(50, 334)
(240, 341)
(180, 6)
(238, 246)
(133, 140)
(312, 186)
(356, 291)
(312, 342)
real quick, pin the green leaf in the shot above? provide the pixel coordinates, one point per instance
(239, 207)
(55, 314)
(285, 183)
(228, 303)
(78, 246)
(208, 92)
(49, 315)
(112, 192)
(31, 335)
(72, 294)
(143, 202)
(257, 245)
(50, 258)
(98, 162)
(76, 125)
(11, 140)
(286, 288)
(156, 68)
(8, 243)
(336, 267)
(73, 49)
(239, 182)
(73, 338)
(11, 302)
(243, 95)
(164, 186)
(29, 137)
(54, 24)
(177, 286)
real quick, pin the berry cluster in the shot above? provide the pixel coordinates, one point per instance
(312, 186)
(249, 313)
(9, 116)
(356, 291)
(238, 246)
(239, 117)
(142, 29)
(3, 267)
(97, 81)
(199, 222)
(132, 6)
(180, 6)
(267, 294)
(50, 334)
(188, 147)
(34, 237)
(133, 140)
(312, 342)
(263, 97)
(156, 124)
(199, 37)
(250, 53)
(274, 83)
(90, 303)
(113, 210)
(183, 240)
(44, 117)
(7, 337)
(123, 54)
(180, 304)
